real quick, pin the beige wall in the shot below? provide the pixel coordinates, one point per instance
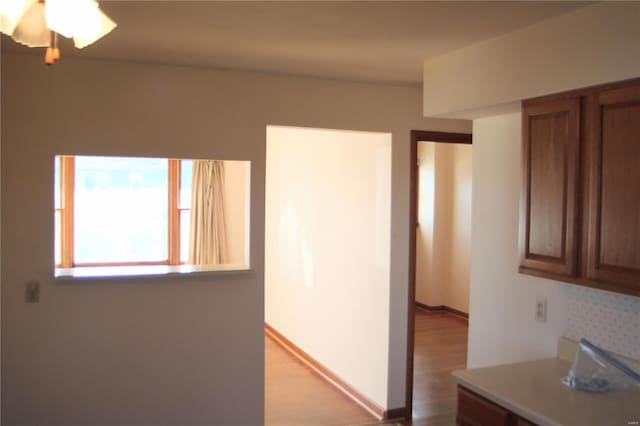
(502, 306)
(177, 350)
(442, 223)
(591, 45)
(237, 186)
(457, 295)
(444, 235)
(427, 291)
(328, 207)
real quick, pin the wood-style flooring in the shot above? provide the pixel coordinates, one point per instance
(296, 395)
(440, 348)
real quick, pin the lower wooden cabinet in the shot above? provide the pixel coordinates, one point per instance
(474, 410)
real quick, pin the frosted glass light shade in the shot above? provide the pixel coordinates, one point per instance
(11, 11)
(63, 15)
(95, 25)
(81, 19)
(32, 29)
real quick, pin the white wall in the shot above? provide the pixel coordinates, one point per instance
(588, 46)
(442, 223)
(457, 294)
(237, 175)
(180, 350)
(444, 235)
(327, 245)
(427, 292)
(502, 306)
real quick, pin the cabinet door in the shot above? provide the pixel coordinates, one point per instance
(476, 411)
(551, 169)
(614, 194)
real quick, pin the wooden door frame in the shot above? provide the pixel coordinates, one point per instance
(416, 137)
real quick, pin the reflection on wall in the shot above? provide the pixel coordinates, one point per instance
(327, 249)
(296, 259)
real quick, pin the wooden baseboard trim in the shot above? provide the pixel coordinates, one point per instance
(444, 308)
(327, 374)
(457, 312)
(429, 307)
(396, 414)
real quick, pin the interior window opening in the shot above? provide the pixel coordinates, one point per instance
(132, 211)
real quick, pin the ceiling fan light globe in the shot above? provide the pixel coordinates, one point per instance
(95, 26)
(81, 20)
(32, 29)
(63, 15)
(11, 11)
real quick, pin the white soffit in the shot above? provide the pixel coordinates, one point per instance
(590, 46)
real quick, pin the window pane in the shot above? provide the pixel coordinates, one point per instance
(121, 210)
(56, 183)
(186, 169)
(185, 223)
(57, 238)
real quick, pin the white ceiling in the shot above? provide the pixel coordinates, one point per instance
(380, 41)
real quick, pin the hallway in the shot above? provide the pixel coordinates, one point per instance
(440, 348)
(295, 395)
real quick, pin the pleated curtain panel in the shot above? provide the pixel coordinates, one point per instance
(208, 242)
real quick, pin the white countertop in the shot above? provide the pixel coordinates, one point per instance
(533, 391)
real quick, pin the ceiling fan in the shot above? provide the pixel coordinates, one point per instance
(38, 23)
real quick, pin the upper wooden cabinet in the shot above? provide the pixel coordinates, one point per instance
(580, 203)
(614, 208)
(551, 156)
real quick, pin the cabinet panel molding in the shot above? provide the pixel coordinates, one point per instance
(614, 192)
(550, 186)
(580, 200)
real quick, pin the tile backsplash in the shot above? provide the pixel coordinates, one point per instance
(609, 320)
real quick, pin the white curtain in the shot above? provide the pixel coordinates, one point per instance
(208, 243)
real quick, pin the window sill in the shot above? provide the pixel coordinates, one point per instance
(124, 272)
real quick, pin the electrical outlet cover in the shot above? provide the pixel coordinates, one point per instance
(32, 292)
(541, 309)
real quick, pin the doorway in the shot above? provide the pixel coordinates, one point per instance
(438, 270)
(327, 267)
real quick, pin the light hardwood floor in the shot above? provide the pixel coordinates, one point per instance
(440, 348)
(295, 395)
